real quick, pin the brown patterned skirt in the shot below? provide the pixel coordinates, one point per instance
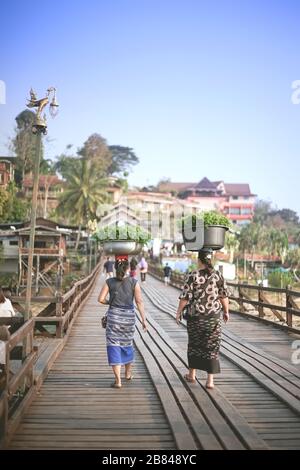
(204, 339)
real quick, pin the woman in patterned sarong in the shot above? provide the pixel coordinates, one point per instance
(120, 328)
(205, 295)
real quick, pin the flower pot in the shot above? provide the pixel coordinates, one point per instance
(212, 236)
(122, 247)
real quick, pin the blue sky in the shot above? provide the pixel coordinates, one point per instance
(197, 88)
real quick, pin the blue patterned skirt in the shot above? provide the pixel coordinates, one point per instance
(120, 330)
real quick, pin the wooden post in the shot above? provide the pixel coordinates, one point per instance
(4, 418)
(32, 224)
(240, 301)
(37, 275)
(261, 312)
(289, 304)
(59, 312)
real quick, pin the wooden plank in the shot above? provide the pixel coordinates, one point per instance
(214, 406)
(182, 434)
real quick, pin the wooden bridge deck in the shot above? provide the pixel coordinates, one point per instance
(254, 406)
(77, 409)
(257, 376)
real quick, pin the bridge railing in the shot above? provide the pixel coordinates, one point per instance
(270, 304)
(16, 382)
(61, 308)
(18, 355)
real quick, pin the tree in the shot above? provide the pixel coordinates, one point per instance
(66, 164)
(85, 191)
(12, 208)
(261, 211)
(231, 244)
(122, 159)
(96, 152)
(23, 145)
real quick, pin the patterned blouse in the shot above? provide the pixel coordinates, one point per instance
(205, 301)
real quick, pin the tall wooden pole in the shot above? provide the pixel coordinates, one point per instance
(33, 223)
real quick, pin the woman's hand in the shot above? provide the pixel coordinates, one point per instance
(178, 317)
(225, 316)
(144, 325)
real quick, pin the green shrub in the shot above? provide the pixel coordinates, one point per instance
(280, 279)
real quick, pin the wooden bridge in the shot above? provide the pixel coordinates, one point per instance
(70, 405)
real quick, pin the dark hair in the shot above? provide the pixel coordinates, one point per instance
(205, 257)
(2, 296)
(133, 264)
(121, 268)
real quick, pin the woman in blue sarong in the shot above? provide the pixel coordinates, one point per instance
(121, 317)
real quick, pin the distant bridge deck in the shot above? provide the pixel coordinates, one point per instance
(255, 404)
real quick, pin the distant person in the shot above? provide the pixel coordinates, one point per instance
(6, 308)
(143, 265)
(167, 274)
(133, 268)
(108, 268)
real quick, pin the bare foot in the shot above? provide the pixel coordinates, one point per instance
(190, 379)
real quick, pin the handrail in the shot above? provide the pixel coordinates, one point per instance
(290, 307)
(67, 307)
(23, 379)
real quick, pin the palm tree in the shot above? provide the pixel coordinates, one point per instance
(231, 244)
(85, 191)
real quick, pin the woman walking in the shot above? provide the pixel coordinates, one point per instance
(143, 265)
(122, 290)
(205, 295)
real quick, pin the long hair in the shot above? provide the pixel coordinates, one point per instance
(121, 269)
(2, 296)
(205, 257)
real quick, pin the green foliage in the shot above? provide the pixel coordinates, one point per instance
(69, 280)
(281, 279)
(8, 280)
(208, 217)
(12, 208)
(126, 232)
(66, 164)
(23, 145)
(122, 159)
(293, 258)
(85, 191)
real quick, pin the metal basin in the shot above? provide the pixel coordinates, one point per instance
(212, 236)
(122, 247)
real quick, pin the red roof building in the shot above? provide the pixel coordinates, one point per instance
(234, 200)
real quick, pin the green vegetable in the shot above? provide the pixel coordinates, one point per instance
(125, 232)
(209, 218)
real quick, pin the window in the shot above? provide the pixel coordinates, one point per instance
(14, 243)
(1, 178)
(246, 198)
(234, 210)
(235, 197)
(246, 211)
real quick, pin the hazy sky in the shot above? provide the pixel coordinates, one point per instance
(197, 88)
